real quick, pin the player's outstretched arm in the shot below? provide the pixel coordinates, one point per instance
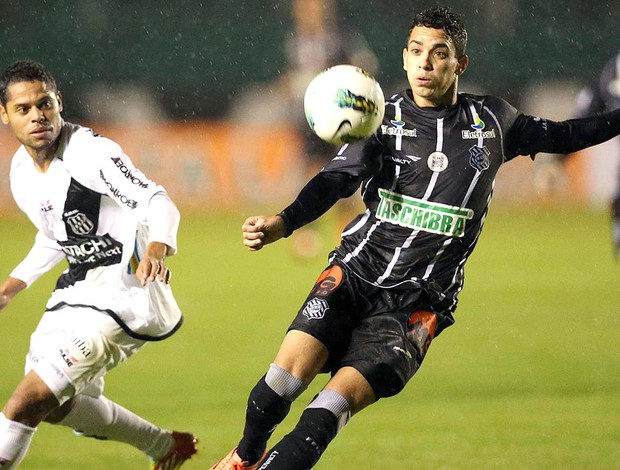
(260, 230)
(9, 289)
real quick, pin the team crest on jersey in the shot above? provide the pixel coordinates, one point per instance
(479, 157)
(79, 223)
(437, 161)
(315, 309)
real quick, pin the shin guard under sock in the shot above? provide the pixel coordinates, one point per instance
(265, 410)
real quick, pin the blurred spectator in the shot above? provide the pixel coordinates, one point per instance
(315, 44)
(600, 96)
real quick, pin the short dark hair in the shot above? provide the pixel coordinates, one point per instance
(24, 71)
(446, 19)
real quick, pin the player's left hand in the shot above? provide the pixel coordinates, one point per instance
(152, 265)
(151, 268)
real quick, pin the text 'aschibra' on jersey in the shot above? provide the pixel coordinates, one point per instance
(422, 215)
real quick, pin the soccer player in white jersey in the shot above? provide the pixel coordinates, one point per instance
(391, 286)
(115, 227)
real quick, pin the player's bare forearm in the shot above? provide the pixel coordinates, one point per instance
(9, 289)
(152, 264)
(260, 230)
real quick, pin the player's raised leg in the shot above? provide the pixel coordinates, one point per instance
(101, 418)
(298, 361)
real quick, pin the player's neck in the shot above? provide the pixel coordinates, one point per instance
(42, 159)
(447, 99)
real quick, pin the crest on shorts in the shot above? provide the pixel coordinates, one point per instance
(315, 309)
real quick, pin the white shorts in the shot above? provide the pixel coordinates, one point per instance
(73, 348)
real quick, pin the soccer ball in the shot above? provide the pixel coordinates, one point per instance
(344, 104)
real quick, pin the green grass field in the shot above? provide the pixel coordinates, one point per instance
(529, 377)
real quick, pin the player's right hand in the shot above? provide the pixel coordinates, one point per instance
(9, 289)
(260, 230)
(4, 301)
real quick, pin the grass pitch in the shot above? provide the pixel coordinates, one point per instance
(528, 377)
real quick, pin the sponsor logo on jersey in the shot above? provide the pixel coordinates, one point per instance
(437, 161)
(479, 157)
(117, 194)
(467, 134)
(128, 174)
(92, 251)
(398, 130)
(478, 123)
(78, 222)
(67, 357)
(46, 206)
(406, 160)
(315, 309)
(418, 214)
(328, 281)
(82, 346)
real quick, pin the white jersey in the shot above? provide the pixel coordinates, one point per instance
(90, 208)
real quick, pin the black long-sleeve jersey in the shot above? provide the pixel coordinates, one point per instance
(427, 178)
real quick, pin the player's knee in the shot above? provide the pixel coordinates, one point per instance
(284, 383)
(385, 381)
(28, 409)
(58, 414)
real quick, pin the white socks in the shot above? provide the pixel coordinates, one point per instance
(15, 439)
(103, 419)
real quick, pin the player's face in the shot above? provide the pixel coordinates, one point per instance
(432, 66)
(32, 112)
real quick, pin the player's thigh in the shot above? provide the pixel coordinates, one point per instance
(327, 315)
(388, 349)
(302, 355)
(73, 348)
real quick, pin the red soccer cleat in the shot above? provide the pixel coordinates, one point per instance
(232, 461)
(183, 449)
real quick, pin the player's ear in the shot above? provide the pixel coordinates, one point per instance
(405, 58)
(4, 115)
(463, 62)
(59, 98)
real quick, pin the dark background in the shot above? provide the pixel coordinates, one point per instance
(195, 57)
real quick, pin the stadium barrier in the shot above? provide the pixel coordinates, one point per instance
(221, 165)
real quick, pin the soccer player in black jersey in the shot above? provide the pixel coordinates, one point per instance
(391, 286)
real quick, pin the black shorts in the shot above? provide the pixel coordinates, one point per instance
(382, 333)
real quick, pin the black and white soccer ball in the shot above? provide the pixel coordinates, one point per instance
(344, 104)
